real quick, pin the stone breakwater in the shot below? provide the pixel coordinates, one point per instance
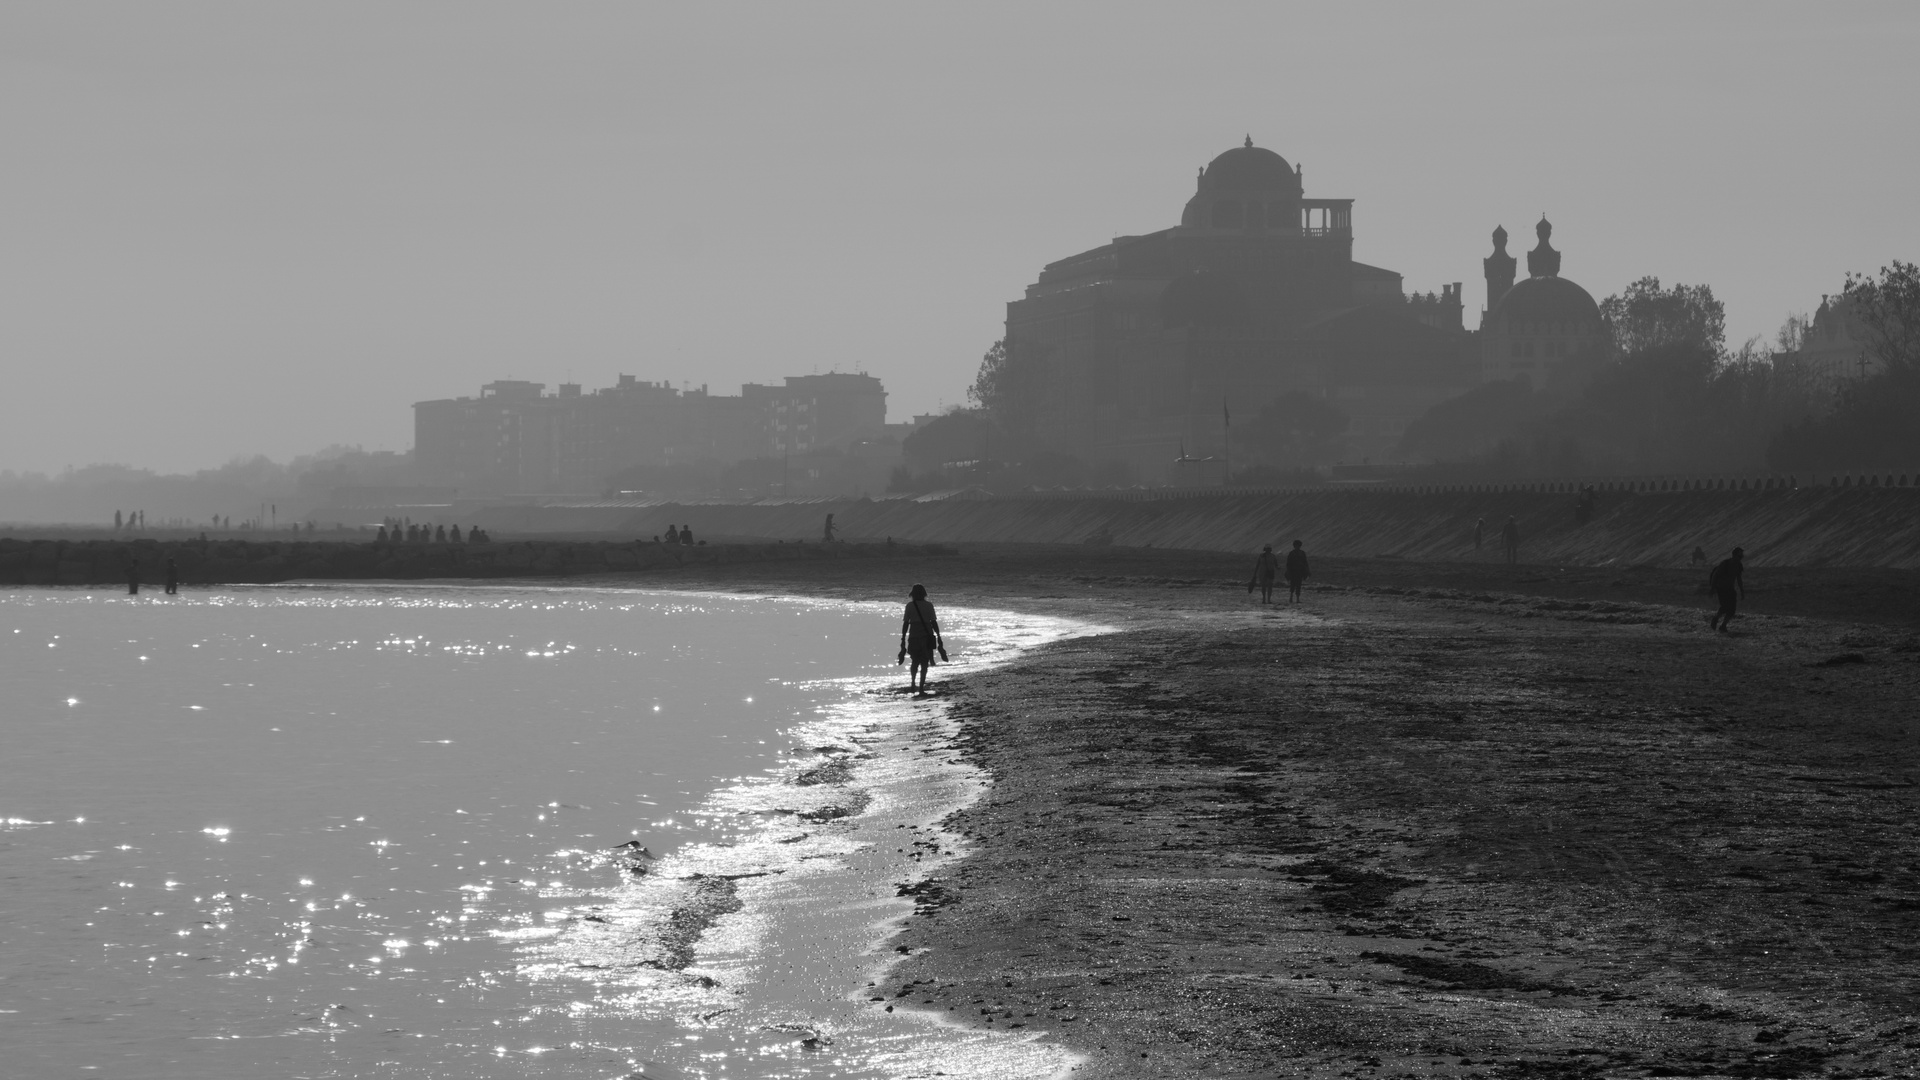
(220, 562)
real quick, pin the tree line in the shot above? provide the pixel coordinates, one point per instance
(1671, 396)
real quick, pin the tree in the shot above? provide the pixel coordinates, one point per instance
(994, 381)
(957, 436)
(1792, 335)
(1009, 384)
(1891, 309)
(1646, 317)
(1872, 423)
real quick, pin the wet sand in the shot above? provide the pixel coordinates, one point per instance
(1430, 831)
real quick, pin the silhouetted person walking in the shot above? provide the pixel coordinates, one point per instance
(1296, 571)
(1729, 586)
(920, 638)
(173, 578)
(1510, 540)
(133, 577)
(1479, 532)
(1699, 556)
(828, 538)
(1266, 566)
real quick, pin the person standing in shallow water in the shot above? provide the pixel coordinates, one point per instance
(173, 577)
(1266, 567)
(133, 577)
(919, 638)
(1729, 585)
(1296, 571)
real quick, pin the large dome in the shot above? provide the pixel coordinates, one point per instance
(1250, 167)
(1548, 300)
(1246, 189)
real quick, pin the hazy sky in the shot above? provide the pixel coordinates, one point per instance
(264, 228)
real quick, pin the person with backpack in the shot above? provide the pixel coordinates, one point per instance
(920, 638)
(1728, 584)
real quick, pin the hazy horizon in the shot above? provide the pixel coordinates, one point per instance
(235, 230)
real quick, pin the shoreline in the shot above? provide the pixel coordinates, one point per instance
(813, 900)
(1428, 831)
(774, 938)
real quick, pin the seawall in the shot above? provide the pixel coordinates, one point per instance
(230, 562)
(1821, 526)
(1811, 527)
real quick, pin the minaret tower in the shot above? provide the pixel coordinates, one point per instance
(1543, 261)
(1499, 267)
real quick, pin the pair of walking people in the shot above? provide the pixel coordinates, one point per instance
(1266, 567)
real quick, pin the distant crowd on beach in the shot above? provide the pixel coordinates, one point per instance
(133, 521)
(403, 531)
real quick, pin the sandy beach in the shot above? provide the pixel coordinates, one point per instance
(1449, 831)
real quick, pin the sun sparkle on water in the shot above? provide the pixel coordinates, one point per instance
(359, 757)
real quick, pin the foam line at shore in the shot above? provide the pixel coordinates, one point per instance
(764, 947)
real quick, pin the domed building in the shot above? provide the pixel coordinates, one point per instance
(1153, 348)
(1533, 328)
(1247, 189)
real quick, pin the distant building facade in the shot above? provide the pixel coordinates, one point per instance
(1141, 349)
(516, 438)
(813, 412)
(1533, 328)
(1837, 345)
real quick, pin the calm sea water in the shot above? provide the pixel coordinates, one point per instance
(350, 832)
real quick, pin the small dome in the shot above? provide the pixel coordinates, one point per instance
(1548, 300)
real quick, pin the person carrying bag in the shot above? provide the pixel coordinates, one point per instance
(920, 638)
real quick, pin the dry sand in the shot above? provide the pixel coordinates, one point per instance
(1426, 824)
